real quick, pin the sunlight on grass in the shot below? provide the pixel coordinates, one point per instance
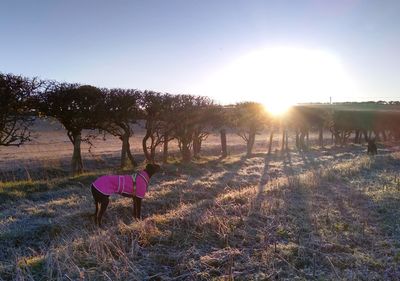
(202, 224)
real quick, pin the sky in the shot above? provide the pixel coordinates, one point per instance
(268, 51)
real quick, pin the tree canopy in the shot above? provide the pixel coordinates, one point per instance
(17, 108)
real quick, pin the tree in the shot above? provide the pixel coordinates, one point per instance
(159, 119)
(190, 117)
(221, 119)
(204, 116)
(121, 111)
(168, 120)
(76, 108)
(273, 122)
(364, 123)
(343, 122)
(249, 119)
(16, 108)
(306, 118)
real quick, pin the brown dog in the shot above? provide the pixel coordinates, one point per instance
(372, 149)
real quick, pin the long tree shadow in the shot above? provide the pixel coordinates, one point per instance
(191, 185)
(316, 227)
(336, 224)
(265, 178)
(36, 225)
(189, 223)
(281, 215)
(271, 222)
(356, 227)
(265, 224)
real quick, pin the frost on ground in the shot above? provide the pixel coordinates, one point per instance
(324, 214)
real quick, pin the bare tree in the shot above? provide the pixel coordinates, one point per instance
(121, 111)
(168, 120)
(16, 108)
(273, 123)
(190, 119)
(249, 119)
(206, 113)
(76, 108)
(220, 119)
(159, 118)
(306, 118)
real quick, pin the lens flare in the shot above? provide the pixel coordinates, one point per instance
(281, 76)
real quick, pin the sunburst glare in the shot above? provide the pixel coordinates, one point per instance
(281, 76)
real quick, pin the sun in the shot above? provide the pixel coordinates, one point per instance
(277, 108)
(281, 76)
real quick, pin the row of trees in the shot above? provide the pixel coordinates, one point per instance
(165, 117)
(358, 121)
(185, 118)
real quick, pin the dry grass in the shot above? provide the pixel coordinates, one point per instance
(324, 215)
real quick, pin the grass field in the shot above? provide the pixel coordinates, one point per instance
(325, 214)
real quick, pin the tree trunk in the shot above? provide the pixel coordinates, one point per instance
(384, 135)
(357, 136)
(186, 154)
(365, 135)
(271, 136)
(77, 164)
(287, 141)
(283, 140)
(321, 136)
(302, 144)
(336, 137)
(126, 152)
(377, 136)
(224, 151)
(130, 156)
(250, 143)
(342, 139)
(297, 139)
(152, 153)
(196, 146)
(123, 151)
(144, 145)
(165, 152)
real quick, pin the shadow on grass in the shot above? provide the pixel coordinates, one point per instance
(190, 186)
(179, 213)
(40, 190)
(202, 235)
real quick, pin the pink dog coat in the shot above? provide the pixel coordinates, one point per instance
(135, 184)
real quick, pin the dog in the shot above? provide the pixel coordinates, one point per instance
(134, 186)
(372, 149)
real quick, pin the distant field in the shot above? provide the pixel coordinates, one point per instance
(49, 153)
(325, 214)
(357, 106)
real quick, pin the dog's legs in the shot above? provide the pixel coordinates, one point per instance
(137, 207)
(97, 208)
(97, 201)
(96, 212)
(103, 207)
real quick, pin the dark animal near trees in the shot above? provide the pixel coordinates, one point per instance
(372, 149)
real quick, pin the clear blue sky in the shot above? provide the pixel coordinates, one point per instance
(175, 45)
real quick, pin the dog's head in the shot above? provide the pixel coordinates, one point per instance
(151, 169)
